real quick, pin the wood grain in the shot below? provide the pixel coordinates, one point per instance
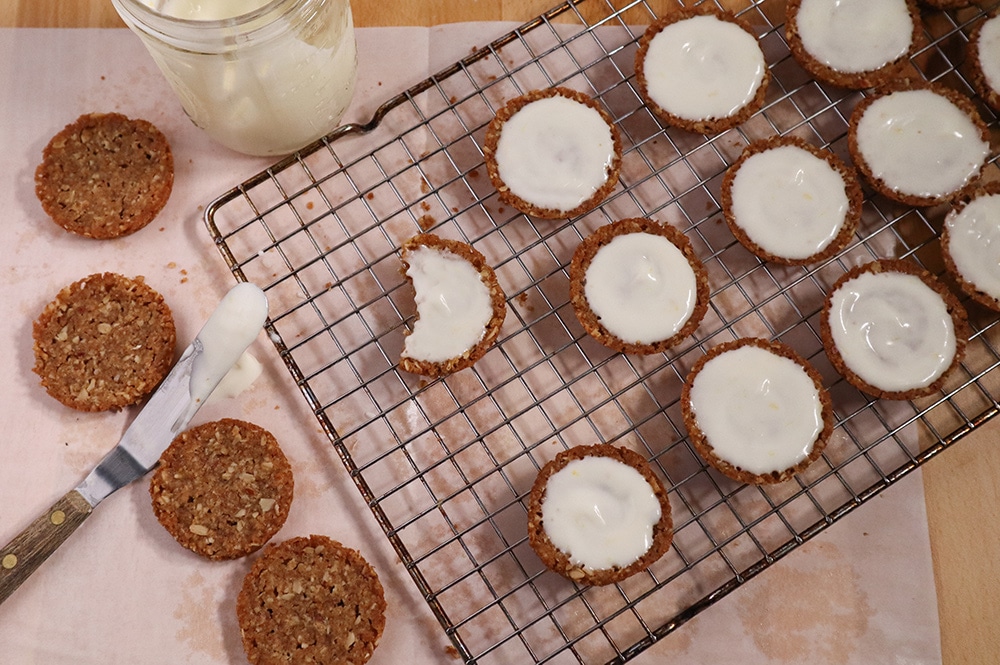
(962, 485)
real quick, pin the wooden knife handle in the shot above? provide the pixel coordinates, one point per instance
(29, 549)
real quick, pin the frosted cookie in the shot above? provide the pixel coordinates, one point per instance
(852, 43)
(970, 245)
(701, 69)
(222, 489)
(105, 175)
(790, 202)
(598, 514)
(637, 286)
(947, 4)
(892, 329)
(310, 600)
(983, 56)
(460, 306)
(918, 144)
(105, 342)
(553, 153)
(756, 410)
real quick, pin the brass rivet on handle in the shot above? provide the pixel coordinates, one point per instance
(57, 517)
(9, 561)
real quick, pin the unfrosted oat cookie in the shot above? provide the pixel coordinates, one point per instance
(598, 514)
(460, 305)
(222, 489)
(310, 600)
(105, 175)
(105, 342)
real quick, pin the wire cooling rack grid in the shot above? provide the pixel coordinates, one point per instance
(445, 465)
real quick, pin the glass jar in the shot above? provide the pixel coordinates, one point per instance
(263, 77)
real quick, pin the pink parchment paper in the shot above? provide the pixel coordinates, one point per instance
(122, 591)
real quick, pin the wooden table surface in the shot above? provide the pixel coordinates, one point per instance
(962, 486)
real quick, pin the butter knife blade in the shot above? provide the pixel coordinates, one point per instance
(230, 329)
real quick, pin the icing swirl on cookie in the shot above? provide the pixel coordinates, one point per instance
(974, 243)
(892, 330)
(855, 36)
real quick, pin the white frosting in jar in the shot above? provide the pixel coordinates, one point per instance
(920, 144)
(555, 153)
(855, 36)
(600, 512)
(989, 51)
(789, 202)
(642, 287)
(892, 330)
(974, 243)
(453, 305)
(759, 411)
(703, 67)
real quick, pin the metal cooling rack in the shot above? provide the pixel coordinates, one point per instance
(445, 465)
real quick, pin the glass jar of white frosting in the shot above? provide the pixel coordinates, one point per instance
(263, 77)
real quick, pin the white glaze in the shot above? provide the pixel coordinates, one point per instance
(920, 144)
(205, 10)
(238, 379)
(642, 287)
(974, 243)
(759, 411)
(989, 52)
(854, 36)
(703, 67)
(555, 153)
(234, 324)
(892, 330)
(453, 305)
(789, 202)
(600, 512)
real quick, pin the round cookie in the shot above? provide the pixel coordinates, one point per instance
(789, 202)
(970, 245)
(310, 600)
(701, 69)
(598, 514)
(637, 287)
(983, 58)
(892, 329)
(460, 306)
(105, 175)
(105, 342)
(946, 4)
(756, 410)
(553, 154)
(222, 489)
(918, 143)
(853, 44)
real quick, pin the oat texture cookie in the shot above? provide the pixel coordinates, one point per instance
(105, 175)
(104, 343)
(983, 59)
(598, 514)
(311, 600)
(460, 306)
(222, 489)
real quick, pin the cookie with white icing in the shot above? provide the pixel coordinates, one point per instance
(756, 410)
(852, 43)
(790, 202)
(970, 245)
(598, 514)
(460, 306)
(553, 153)
(637, 286)
(892, 329)
(701, 69)
(919, 144)
(983, 58)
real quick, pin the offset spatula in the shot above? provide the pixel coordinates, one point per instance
(230, 329)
